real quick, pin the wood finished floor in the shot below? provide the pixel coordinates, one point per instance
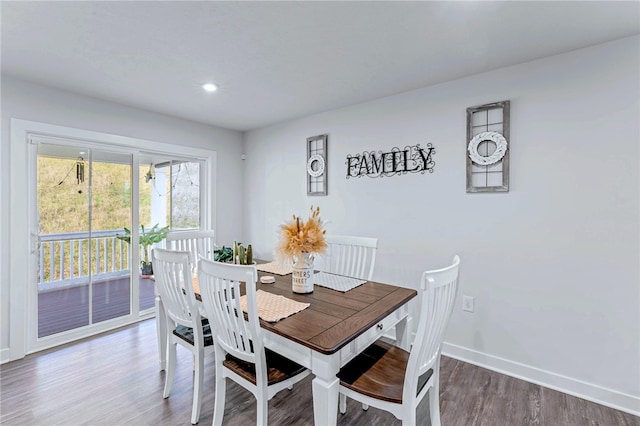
(113, 379)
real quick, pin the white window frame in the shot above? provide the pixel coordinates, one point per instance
(23, 214)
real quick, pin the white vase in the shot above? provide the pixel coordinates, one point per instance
(302, 277)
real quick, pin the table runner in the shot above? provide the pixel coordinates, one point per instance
(272, 307)
(277, 268)
(337, 282)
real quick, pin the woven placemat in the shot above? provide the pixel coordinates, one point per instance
(337, 282)
(273, 307)
(277, 268)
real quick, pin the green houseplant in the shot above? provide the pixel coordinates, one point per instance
(148, 237)
(238, 254)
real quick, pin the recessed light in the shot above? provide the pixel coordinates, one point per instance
(210, 87)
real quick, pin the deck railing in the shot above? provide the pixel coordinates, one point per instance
(71, 257)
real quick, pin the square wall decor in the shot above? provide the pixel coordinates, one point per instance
(488, 146)
(317, 165)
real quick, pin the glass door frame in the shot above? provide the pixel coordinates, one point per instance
(23, 322)
(93, 285)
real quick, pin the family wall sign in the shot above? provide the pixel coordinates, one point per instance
(411, 159)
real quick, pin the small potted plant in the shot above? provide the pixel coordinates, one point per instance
(224, 254)
(238, 254)
(148, 237)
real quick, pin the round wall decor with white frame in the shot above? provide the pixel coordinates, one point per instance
(318, 169)
(495, 137)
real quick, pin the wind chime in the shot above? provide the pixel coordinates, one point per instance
(149, 176)
(79, 166)
(80, 170)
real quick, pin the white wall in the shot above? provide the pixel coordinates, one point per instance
(43, 104)
(553, 264)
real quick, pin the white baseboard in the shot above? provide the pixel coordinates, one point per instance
(608, 397)
(5, 355)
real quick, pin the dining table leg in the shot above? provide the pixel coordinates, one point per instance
(161, 325)
(325, 387)
(403, 328)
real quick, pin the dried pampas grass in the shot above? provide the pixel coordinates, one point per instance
(299, 236)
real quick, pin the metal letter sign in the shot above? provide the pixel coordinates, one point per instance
(411, 159)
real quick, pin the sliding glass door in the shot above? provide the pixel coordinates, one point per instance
(84, 202)
(169, 194)
(73, 193)
(87, 272)
(90, 204)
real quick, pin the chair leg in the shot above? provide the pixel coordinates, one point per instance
(262, 400)
(170, 371)
(434, 403)
(262, 406)
(409, 419)
(221, 388)
(343, 403)
(198, 378)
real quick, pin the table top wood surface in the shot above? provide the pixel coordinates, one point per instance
(334, 318)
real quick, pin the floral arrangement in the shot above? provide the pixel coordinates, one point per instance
(299, 236)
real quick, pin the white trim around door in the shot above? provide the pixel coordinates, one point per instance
(23, 215)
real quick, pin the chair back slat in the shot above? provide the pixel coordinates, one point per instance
(199, 243)
(437, 297)
(220, 292)
(350, 256)
(172, 272)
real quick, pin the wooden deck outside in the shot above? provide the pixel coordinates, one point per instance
(68, 308)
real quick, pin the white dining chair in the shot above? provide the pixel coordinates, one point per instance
(240, 352)
(392, 379)
(184, 324)
(349, 256)
(199, 243)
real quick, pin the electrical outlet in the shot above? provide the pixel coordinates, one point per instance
(467, 303)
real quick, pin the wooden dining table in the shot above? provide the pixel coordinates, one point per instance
(335, 328)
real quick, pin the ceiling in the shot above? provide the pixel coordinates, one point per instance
(275, 61)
